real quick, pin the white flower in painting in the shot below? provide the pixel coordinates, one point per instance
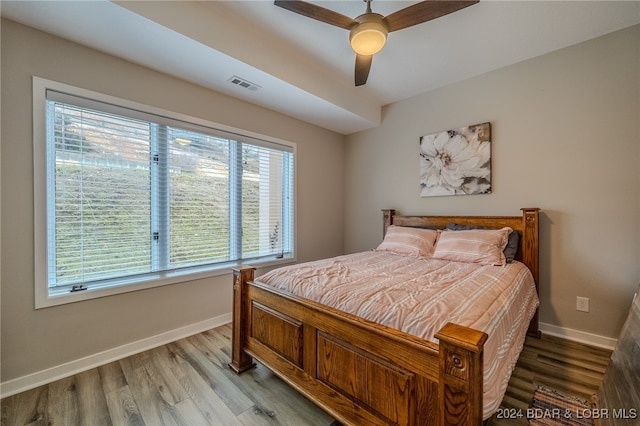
(452, 164)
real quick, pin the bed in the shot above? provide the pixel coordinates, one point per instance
(374, 371)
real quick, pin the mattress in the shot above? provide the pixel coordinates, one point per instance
(419, 296)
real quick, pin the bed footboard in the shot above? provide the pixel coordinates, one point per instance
(358, 371)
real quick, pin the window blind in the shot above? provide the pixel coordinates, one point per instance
(130, 193)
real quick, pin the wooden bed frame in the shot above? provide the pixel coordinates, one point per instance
(365, 373)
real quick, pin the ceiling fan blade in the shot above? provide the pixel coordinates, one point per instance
(363, 65)
(423, 12)
(318, 13)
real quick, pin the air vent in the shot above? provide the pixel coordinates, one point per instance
(243, 83)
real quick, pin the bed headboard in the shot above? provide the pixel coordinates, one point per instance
(527, 224)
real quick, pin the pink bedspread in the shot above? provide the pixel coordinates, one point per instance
(419, 296)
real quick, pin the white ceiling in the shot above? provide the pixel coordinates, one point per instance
(305, 67)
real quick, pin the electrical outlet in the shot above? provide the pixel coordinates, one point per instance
(582, 304)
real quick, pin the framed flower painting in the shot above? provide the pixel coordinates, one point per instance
(456, 162)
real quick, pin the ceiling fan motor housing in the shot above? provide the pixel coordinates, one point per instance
(369, 35)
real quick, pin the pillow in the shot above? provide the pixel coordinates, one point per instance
(510, 250)
(483, 246)
(411, 241)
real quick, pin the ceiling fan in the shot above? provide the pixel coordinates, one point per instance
(368, 32)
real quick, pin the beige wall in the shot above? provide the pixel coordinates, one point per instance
(35, 340)
(566, 138)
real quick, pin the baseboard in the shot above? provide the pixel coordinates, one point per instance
(49, 375)
(21, 384)
(578, 336)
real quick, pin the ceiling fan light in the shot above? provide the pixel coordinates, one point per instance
(368, 38)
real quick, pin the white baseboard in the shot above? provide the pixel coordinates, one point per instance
(49, 375)
(30, 381)
(578, 336)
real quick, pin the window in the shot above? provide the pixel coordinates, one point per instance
(137, 197)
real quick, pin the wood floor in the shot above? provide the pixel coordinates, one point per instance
(188, 383)
(569, 367)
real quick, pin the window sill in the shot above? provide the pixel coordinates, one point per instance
(61, 297)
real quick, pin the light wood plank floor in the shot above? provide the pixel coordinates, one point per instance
(569, 367)
(188, 383)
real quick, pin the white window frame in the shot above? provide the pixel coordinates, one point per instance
(44, 296)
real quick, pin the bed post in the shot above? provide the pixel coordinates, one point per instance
(240, 361)
(387, 220)
(530, 257)
(461, 375)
